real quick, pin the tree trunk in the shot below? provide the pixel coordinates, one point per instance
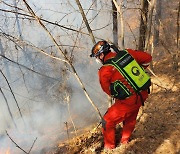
(118, 7)
(149, 41)
(115, 24)
(143, 24)
(157, 22)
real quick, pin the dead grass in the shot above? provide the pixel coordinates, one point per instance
(157, 129)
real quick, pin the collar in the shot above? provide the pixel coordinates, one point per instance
(109, 56)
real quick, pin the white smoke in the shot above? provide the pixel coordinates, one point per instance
(42, 98)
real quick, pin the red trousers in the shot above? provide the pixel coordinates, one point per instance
(121, 111)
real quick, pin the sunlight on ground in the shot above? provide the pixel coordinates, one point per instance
(164, 82)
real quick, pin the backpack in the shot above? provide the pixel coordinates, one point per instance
(131, 71)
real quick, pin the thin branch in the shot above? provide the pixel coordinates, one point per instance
(85, 20)
(32, 145)
(68, 106)
(12, 95)
(154, 75)
(19, 42)
(16, 143)
(9, 110)
(27, 68)
(32, 18)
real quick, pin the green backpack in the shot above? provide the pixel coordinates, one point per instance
(131, 71)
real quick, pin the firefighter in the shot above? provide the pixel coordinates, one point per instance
(128, 99)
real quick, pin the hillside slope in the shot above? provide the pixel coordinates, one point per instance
(158, 125)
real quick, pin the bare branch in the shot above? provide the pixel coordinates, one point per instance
(16, 143)
(32, 18)
(32, 145)
(13, 95)
(85, 20)
(9, 110)
(27, 67)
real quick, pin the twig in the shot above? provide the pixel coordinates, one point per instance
(67, 130)
(160, 86)
(16, 143)
(67, 99)
(9, 110)
(32, 145)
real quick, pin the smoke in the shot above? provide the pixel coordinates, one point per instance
(43, 98)
(41, 124)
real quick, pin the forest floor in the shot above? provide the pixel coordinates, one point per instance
(158, 125)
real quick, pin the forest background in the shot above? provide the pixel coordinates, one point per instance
(49, 88)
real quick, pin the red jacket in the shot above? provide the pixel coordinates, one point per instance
(109, 74)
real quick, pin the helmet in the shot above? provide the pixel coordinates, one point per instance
(100, 47)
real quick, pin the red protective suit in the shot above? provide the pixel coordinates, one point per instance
(122, 110)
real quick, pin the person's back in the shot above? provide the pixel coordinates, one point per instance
(109, 74)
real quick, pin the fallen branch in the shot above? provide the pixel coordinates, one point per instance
(160, 86)
(154, 75)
